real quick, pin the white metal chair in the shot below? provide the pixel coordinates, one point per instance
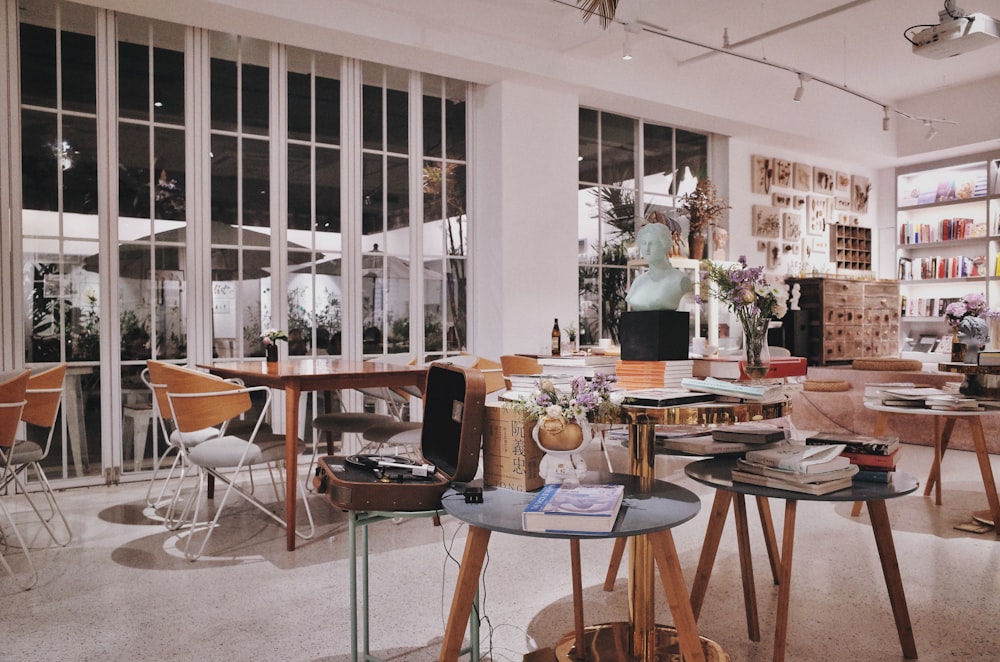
(175, 442)
(43, 398)
(199, 401)
(12, 401)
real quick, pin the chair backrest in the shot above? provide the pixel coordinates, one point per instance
(191, 414)
(44, 393)
(12, 391)
(511, 364)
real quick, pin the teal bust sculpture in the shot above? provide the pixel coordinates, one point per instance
(662, 286)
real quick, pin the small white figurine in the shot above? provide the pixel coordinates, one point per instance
(562, 442)
(793, 303)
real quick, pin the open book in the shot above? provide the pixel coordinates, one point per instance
(799, 457)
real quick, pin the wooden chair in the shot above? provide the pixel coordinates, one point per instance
(13, 386)
(199, 401)
(43, 398)
(512, 364)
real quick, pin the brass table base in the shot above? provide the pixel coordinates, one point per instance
(609, 642)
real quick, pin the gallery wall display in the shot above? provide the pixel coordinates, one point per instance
(800, 203)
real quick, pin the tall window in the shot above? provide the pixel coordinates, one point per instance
(628, 170)
(445, 221)
(240, 227)
(315, 255)
(59, 221)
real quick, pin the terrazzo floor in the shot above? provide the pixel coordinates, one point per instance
(122, 590)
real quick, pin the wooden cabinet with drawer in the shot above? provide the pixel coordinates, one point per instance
(849, 319)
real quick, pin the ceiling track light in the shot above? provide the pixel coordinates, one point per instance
(630, 29)
(931, 130)
(802, 87)
(885, 118)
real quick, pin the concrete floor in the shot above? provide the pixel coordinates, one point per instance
(122, 589)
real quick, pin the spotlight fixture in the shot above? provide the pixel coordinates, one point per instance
(885, 118)
(630, 29)
(931, 130)
(802, 87)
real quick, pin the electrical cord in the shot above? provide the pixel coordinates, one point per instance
(947, 10)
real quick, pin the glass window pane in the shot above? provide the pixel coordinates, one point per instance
(692, 157)
(79, 72)
(223, 90)
(133, 171)
(224, 184)
(299, 107)
(398, 198)
(299, 188)
(169, 170)
(432, 126)
(327, 110)
(371, 117)
(457, 234)
(588, 149)
(658, 162)
(39, 160)
(327, 190)
(371, 194)
(78, 161)
(456, 330)
(168, 85)
(617, 149)
(455, 128)
(256, 99)
(397, 121)
(38, 65)
(256, 188)
(133, 81)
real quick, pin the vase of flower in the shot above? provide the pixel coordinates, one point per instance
(270, 340)
(973, 345)
(271, 352)
(756, 359)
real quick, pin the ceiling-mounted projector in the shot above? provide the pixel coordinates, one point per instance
(956, 34)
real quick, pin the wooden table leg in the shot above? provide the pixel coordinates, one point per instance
(890, 570)
(785, 583)
(574, 558)
(292, 392)
(983, 455)
(465, 592)
(716, 523)
(770, 539)
(746, 568)
(941, 439)
(665, 555)
(615, 563)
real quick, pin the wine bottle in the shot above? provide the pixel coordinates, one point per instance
(556, 338)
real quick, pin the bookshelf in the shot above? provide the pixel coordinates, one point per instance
(947, 239)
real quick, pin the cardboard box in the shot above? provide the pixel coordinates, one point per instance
(510, 456)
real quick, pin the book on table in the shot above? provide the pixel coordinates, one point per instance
(750, 432)
(574, 509)
(855, 443)
(738, 390)
(872, 461)
(805, 488)
(790, 476)
(800, 457)
(705, 446)
(872, 476)
(664, 397)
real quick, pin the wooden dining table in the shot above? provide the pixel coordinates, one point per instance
(320, 374)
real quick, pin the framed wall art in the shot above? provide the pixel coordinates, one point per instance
(781, 199)
(860, 188)
(791, 225)
(762, 173)
(766, 222)
(802, 175)
(783, 173)
(823, 181)
(818, 214)
(843, 182)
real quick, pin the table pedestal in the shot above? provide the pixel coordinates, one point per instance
(609, 641)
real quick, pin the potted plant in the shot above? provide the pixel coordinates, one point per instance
(704, 208)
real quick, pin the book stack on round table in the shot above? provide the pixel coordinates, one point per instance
(875, 457)
(797, 468)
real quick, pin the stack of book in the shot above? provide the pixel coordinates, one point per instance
(736, 390)
(586, 365)
(522, 386)
(651, 374)
(797, 468)
(875, 457)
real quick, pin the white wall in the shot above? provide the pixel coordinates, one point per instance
(524, 221)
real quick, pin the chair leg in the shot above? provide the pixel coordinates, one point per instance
(50, 498)
(24, 548)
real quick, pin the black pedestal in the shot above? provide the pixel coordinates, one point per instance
(654, 335)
